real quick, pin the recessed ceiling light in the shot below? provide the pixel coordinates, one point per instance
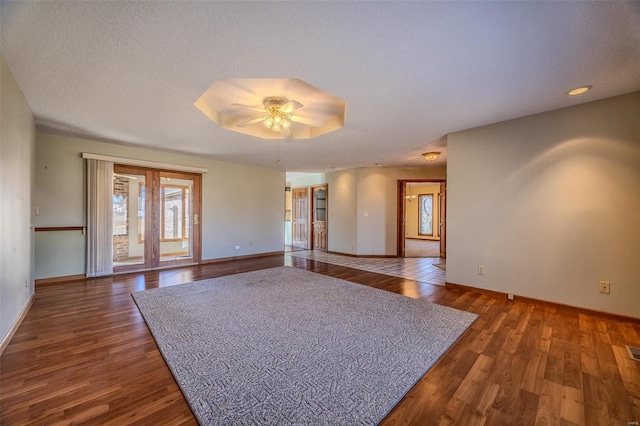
(579, 90)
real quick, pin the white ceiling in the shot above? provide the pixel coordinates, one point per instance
(411, 72)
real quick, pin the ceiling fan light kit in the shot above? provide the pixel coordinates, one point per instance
(251, 106)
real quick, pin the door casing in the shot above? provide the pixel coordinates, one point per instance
(402, 191)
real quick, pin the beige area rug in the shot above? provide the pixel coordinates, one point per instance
(284, 346)
(421, 248)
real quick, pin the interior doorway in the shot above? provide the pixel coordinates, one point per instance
(422, 218)
(156, 218)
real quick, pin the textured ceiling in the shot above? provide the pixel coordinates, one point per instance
(411, 72)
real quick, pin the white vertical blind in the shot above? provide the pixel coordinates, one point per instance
(99, 218)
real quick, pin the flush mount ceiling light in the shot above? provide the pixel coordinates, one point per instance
(579, 90)
(272, 108)
(430, 156)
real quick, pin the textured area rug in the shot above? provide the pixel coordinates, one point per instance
(284, 346)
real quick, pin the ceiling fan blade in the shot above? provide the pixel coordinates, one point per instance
(254, 121)
(252, 107)
(285, 132)
(305, 120)
(290, 106)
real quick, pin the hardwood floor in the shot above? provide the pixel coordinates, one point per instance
(83, 354)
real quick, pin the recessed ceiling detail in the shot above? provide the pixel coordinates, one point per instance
(272, 108)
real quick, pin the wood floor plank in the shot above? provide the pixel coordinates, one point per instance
(549, 404)
(83, 354)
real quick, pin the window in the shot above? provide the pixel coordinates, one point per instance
(426, 214)
(119, 215)
(174, 202)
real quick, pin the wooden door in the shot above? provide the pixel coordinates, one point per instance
(319, 200)
(299, 215)
(156, 218)
(442, 219)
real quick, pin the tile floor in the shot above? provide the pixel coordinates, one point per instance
(417, 269)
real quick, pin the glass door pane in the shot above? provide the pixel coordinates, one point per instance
(320, 205)
(129, 197)
(176, 218)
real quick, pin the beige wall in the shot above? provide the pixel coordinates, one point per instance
(342, 220)
(17, 146)
(549, 204)
(378, 205)
(363, 208)
(412, 211)
(241, 205)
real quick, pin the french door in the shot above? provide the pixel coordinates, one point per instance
(155, 218)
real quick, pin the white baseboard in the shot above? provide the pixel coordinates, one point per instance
(14, 328)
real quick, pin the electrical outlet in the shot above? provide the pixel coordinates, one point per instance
(236, 247)
(605, 287)
(480, 270)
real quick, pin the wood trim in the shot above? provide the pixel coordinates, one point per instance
(55, 280)
(16, 324)
(493, 293)
(248, 256)
(60, 228)
(499, 294)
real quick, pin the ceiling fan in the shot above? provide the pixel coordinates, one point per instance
(277, 115)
